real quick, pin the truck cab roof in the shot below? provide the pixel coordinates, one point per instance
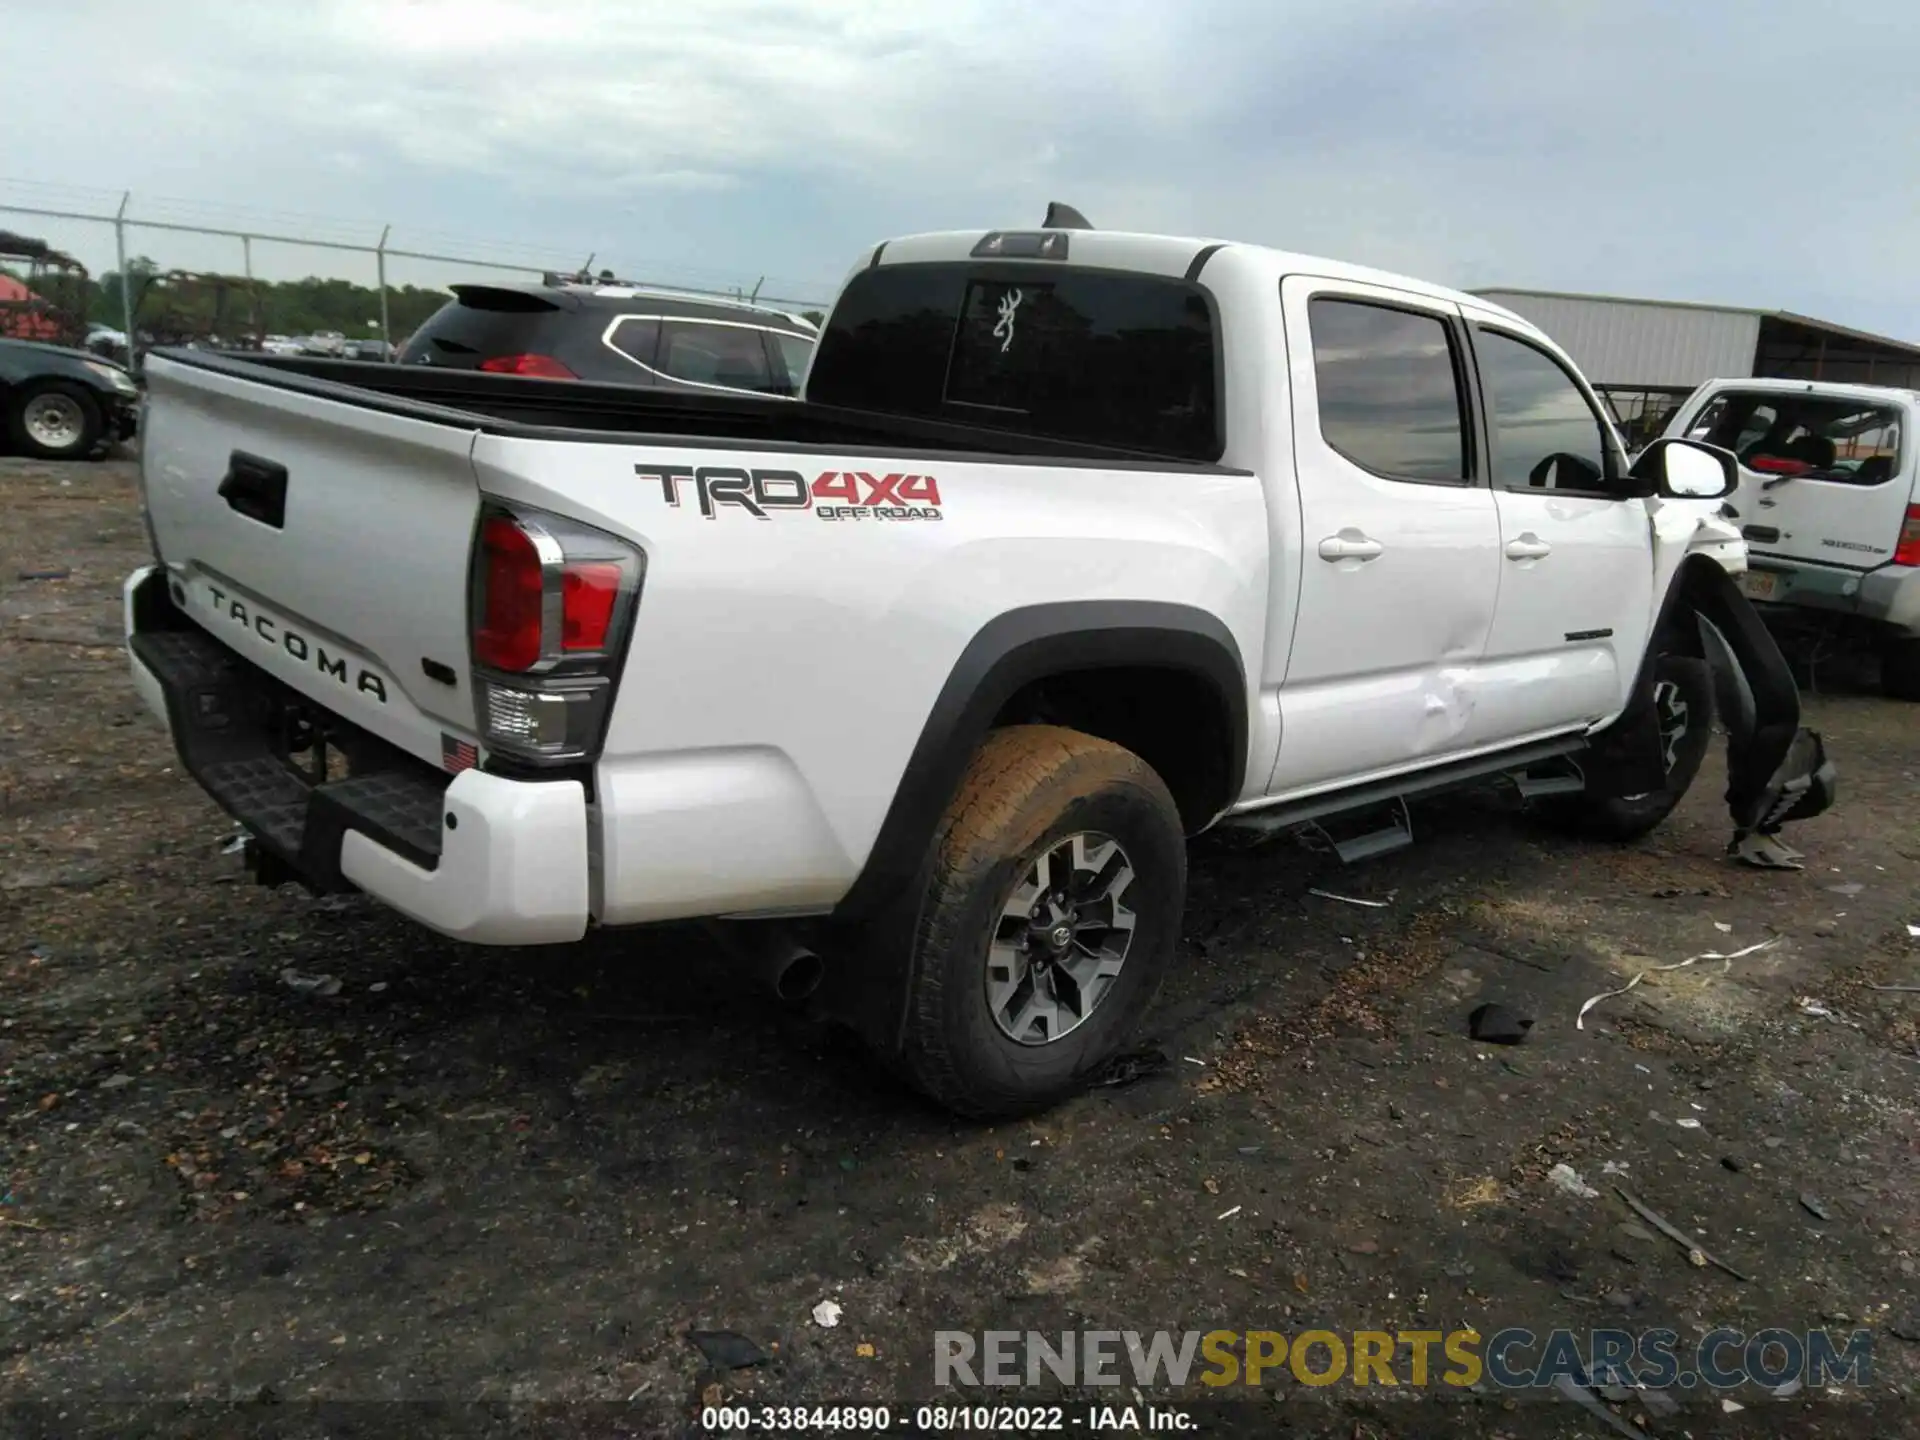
(1177, 257)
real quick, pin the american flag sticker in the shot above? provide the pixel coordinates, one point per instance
(457, 755)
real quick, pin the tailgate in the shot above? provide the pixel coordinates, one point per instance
(324, 541)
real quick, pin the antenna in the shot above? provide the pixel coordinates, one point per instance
(1064, 217)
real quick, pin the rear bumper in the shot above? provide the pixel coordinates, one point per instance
(475, 856)
(1889, 596)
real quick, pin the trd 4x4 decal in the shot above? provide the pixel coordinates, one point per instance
(835, 495)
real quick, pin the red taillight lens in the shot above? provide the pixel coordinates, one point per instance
(553, 600)
(1908, 550)
(543, 366)
(588, 592)
(507, 633)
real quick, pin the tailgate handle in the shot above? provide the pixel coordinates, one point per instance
(1765, 534)
(256, 488)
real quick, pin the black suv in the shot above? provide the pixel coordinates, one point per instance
(577, 328)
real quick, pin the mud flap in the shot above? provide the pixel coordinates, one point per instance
(1777, 770)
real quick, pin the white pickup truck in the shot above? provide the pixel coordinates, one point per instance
(1077, 544)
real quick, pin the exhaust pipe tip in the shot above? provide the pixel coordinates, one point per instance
(790, 970)
(799, 976)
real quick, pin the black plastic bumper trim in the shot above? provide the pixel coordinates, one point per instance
(226, 714)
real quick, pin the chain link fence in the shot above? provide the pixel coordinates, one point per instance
(226, 259)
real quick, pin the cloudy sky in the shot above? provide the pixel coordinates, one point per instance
(1754, 152)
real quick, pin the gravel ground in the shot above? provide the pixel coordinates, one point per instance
(517, 1179)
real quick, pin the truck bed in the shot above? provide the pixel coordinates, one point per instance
(583, 410)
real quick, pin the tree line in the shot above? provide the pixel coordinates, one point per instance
(232, 305)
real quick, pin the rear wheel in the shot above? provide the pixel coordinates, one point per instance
(1683, 709)
(1049, 923)
(54, 420)
(1900, 668)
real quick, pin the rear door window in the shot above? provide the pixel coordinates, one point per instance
(1389, 389)
(635, 336)
(792, 351)
(1108, 358)
(708, 352)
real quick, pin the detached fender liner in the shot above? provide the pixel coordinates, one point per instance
(228, 720)
(1777, 770)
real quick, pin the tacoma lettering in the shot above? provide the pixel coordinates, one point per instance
(275, 632)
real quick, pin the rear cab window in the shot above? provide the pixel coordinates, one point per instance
(1111, 358)
(1814, 437)
(1390, 397)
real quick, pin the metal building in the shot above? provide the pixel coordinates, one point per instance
(1645, 356)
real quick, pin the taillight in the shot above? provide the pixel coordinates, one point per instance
(589, 590)
(553, 600)
(543, 366)
(507, 632)
(1907, 552)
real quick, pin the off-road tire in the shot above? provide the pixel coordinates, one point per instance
(1900, 668)
(1622, 818)
(1029, 788)
(89, 427)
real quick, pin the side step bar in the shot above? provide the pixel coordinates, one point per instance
(1542, 768)
(1560, 777)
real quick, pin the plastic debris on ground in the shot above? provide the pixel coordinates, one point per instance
(827, 1314)
(1128, 1069)
(324, 986)
(1767, 852)
(726, 1349)
(1573, 1390)
(1495, 1024)
(1350, 899)
(1580, 1020)
(1696, 1255)
(1565, 1178)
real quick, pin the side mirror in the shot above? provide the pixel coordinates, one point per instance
(1687, 470)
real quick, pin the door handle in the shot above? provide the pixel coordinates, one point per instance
(256, 488)
(1528, 546)
(1349, 545)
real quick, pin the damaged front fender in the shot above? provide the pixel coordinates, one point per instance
(1777, 770)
